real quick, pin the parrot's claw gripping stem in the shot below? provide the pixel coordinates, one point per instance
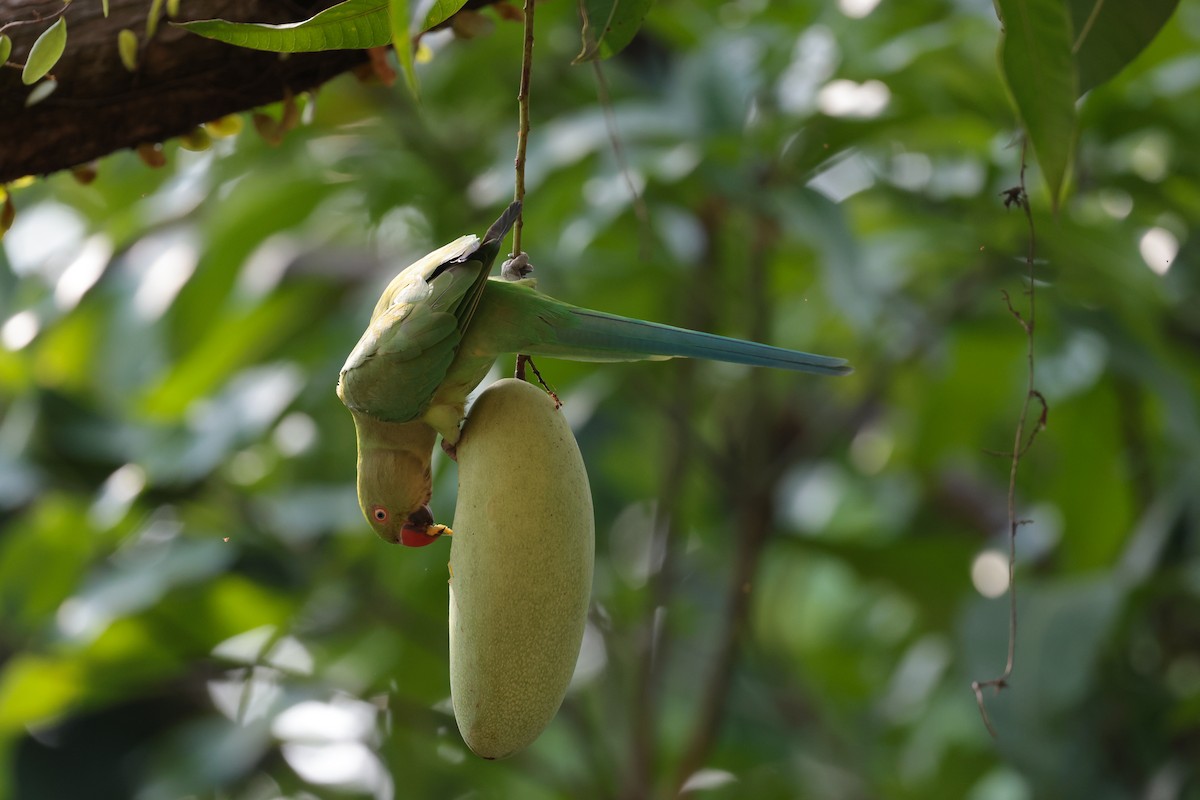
(516, 268)
(522, 360)
(450, 450)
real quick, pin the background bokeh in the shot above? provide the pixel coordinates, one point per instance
(791, 571)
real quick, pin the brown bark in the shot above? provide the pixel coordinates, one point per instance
(182, 80)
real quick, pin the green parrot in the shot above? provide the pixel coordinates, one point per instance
(436, 331)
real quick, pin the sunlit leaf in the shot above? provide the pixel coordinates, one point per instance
(1035, 57)
(127, 46)
(232, 342)
(42, 559)
(131, 652)
(36, 689)
(45, 52)
(1109, 35)
(352, 25)
(5, 47)
(609, 25)
(152, 18)
(230, 125)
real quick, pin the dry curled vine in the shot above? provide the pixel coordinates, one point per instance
(1017, 196)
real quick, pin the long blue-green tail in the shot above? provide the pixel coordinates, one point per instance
(584, 335)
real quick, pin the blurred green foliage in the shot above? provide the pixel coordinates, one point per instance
(192, 606)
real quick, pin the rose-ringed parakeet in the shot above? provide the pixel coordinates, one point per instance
(435, 332)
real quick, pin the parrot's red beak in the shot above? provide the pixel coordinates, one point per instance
(419, 529)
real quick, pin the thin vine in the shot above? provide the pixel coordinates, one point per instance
(614, 137)
(1019, 197)
(519, 167)
(640, 211)
(523, 124)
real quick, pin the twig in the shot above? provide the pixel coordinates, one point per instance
(593, 750)
(519, 163)
(37, 18)
(653, 647)
(614, 137)
(653, 644)
(750, 495)
(1087, 27)
(1019, 197)
(752, 537)
(523, 123)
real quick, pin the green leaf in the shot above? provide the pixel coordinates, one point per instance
(45, 52)
(352, 25)
(927, 569)
(152, 18)
(232, 342)
(441, 11)
(37, 688)
(1036, 60)
(1109, 35)
(609, 25)
(127, 47)
(5, 48)
(402, 41)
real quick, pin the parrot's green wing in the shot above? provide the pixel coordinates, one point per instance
(417, 328)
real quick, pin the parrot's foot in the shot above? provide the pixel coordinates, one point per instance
(516, 268)
(450, 450)
(522, 360)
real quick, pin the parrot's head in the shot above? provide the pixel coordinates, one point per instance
(396, 502)
(416, 529)
(394, 484)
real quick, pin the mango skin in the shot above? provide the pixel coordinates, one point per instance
(521, 561)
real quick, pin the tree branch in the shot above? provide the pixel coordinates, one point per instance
(751, 491)
(680, 445)
(182, 80)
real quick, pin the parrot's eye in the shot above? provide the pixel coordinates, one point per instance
(379, 513)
